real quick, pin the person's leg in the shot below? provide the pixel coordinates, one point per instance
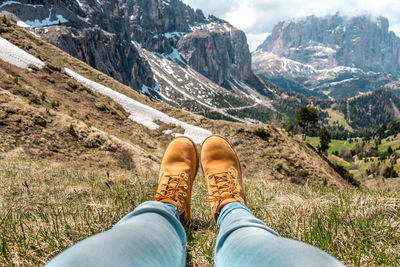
(151, 235)
(244, 240)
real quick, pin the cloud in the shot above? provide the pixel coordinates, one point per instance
(258, 17)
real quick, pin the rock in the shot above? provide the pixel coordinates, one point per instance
(39, 120)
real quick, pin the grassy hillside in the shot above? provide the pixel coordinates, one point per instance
(72, 164)
(48, 206)
(336, 118)
(361, 167)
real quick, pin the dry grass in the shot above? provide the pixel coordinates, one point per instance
(46, 207)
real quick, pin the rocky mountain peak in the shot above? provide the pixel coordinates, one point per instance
(105, 34)
(329, 48)
(363, 42)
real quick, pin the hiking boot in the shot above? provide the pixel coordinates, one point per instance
(222, 172)
(177, 172)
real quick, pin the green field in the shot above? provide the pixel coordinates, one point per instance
(335, 145)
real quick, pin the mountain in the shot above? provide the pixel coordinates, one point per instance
(174, 54)
(162, 47)
(55, 107)
(333, 55)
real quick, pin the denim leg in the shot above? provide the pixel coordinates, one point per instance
(244, 240)
(151, 235)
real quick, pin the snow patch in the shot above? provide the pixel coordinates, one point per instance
(8, 3)
(145, 90)
(47, 21)
(175, 56)
(141, 113)
(212, 26)
(23, 24)
(34, 33)
(343, 81)
(169, 35)
(14, 55)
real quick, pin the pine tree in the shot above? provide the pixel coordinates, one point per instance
(324, 139)
(307, 119)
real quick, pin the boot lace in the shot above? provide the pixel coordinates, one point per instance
(174, 187)
(223, 186)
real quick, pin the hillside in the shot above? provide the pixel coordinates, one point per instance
(354, 116)
(73, 162)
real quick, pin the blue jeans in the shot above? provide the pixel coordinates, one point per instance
(152, 235)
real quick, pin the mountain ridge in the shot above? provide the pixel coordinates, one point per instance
(333, 55)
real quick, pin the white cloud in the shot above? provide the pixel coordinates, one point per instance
(255, 39)
(258, 17)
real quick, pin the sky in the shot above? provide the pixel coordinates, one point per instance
(258, 17)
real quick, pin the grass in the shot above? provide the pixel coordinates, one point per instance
(340, 161)
(337, 116)
(334, 145)
(47, 207)
(394, 143)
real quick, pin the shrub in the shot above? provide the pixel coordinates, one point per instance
(53, 67)
(71, 131)
(261, 133)
(55, 104)
(389, 172)
(346, 175)
(345, 154)
(5, 20)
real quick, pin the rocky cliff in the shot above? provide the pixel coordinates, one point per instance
(325, 54)
(104, 33)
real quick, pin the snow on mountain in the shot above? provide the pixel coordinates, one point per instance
(334, 55)
(52, 19)
(197, 63)
(16, 56)
(141, 113)
(184, 87)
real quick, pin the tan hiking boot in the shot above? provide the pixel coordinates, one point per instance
(222, 172)
(177, 172)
